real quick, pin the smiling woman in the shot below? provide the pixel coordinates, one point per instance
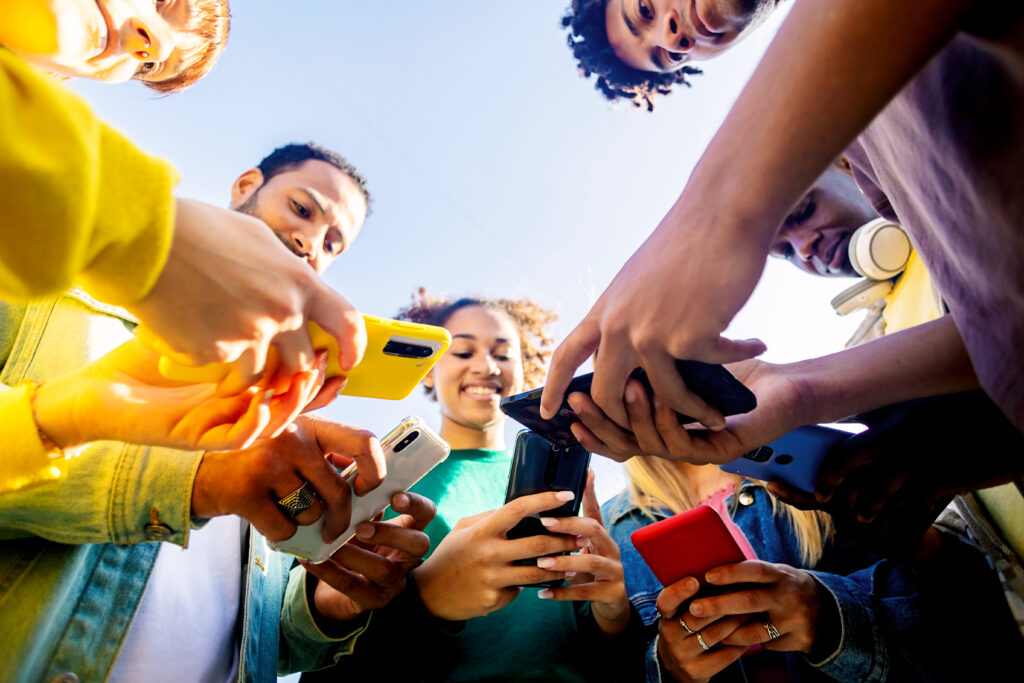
(167, 44)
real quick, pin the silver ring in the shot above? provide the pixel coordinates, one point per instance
(701, 641)
(686, 628)
(298, 501)
(773, 632)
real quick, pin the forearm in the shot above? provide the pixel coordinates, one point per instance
(110, 493)
(830, 69)
(927, 360)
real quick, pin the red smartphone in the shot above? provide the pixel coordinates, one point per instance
(688, 544)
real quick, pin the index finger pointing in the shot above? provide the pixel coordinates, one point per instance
(569, 355)
(341, 320)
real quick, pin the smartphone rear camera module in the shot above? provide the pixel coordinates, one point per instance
(407, 350)
(762, 454)
(784, 459)
(409, 438)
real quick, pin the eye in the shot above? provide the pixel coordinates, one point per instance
(502, 358)
(804, 210)
(145, 68)
(645, 11)
(300, 209)
(465, 355)
(674, 58)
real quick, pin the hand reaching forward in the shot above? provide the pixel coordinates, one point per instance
(123, 397)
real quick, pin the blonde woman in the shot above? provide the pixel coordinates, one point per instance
(814, 605)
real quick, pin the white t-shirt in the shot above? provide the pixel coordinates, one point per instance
(185, 627)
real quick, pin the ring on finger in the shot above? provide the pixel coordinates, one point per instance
(298, 501)
(700, 641)
(682, 624)
(773, 632)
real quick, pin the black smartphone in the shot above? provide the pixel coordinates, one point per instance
(540, 465)
(713, 383)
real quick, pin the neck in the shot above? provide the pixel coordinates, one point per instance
(704, 480)
(460, 436)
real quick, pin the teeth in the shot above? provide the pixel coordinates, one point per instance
(480, 390)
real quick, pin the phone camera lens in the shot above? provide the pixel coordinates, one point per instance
(401, 445)
(762, 454)
(407, 350)
(784, 459)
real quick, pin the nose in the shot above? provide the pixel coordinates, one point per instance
(486, 365)
(147, 41)
(802, 242)
(672, 36)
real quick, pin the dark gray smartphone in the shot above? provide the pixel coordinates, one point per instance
(540, 465)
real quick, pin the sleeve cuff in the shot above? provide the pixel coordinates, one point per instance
(861, 653)
(25, 461)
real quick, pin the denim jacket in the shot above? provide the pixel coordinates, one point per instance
(896, 617)
(76, 553)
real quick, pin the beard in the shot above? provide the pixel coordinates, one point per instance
(250, 207)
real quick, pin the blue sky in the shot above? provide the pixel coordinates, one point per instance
(494, 168)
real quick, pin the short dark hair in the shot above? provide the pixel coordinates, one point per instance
(291, 155)
(616, 80)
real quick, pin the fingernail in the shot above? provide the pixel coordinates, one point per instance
(364, 531)
(582, 541)
(570, 574)
(657, 403)
(631, 396)
(565, 495)
(574, 402)
(692, 584)
(267, 395)
(401, 499)
(545, 594)
(545, 562)
(549, 521)
(696, 609)
(711, 576)
(718, 425)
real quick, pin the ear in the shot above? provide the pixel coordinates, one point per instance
(428, 380)
(245, 185)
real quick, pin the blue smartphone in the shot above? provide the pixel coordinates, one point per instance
(793, 458)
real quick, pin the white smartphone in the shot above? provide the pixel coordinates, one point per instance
(410, 450)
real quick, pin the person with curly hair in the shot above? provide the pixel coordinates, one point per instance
(639, 49)
(464, 615)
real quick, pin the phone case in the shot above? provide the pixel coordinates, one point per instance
(687, 544)
(398, 356)
(793, 458)
(713, 383)
(540, 465)
(421, 452)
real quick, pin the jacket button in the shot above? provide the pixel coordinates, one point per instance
(65, 678)
(746, 498)
(158, 532)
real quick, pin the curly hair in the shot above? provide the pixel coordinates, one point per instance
(530, 319)
(588, 40)
(210, 21)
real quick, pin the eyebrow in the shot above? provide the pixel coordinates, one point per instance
(499, 340)
(629, 24)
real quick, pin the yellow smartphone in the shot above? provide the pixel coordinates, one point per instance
(398, 356)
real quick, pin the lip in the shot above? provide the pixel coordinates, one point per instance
(698, 23)
(483, 398)
(840, 254)
(108, 45)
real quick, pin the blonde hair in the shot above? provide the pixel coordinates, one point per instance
(656, 484)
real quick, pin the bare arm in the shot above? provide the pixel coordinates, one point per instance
(831, 68)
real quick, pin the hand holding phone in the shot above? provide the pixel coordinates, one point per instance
(398, 356)
(540, 465)
(713, 383)
(687, 544)
(410, 450)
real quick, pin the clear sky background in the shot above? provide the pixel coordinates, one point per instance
(494, 168)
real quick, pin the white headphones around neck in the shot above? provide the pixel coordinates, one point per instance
(879, 250)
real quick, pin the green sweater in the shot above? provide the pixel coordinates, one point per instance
(527, 639)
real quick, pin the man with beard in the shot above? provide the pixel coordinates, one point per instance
(89, 596)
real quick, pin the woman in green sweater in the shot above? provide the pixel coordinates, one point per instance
(463, 616)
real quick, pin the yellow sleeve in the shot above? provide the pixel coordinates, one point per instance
(79, 202)
(23, 460)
